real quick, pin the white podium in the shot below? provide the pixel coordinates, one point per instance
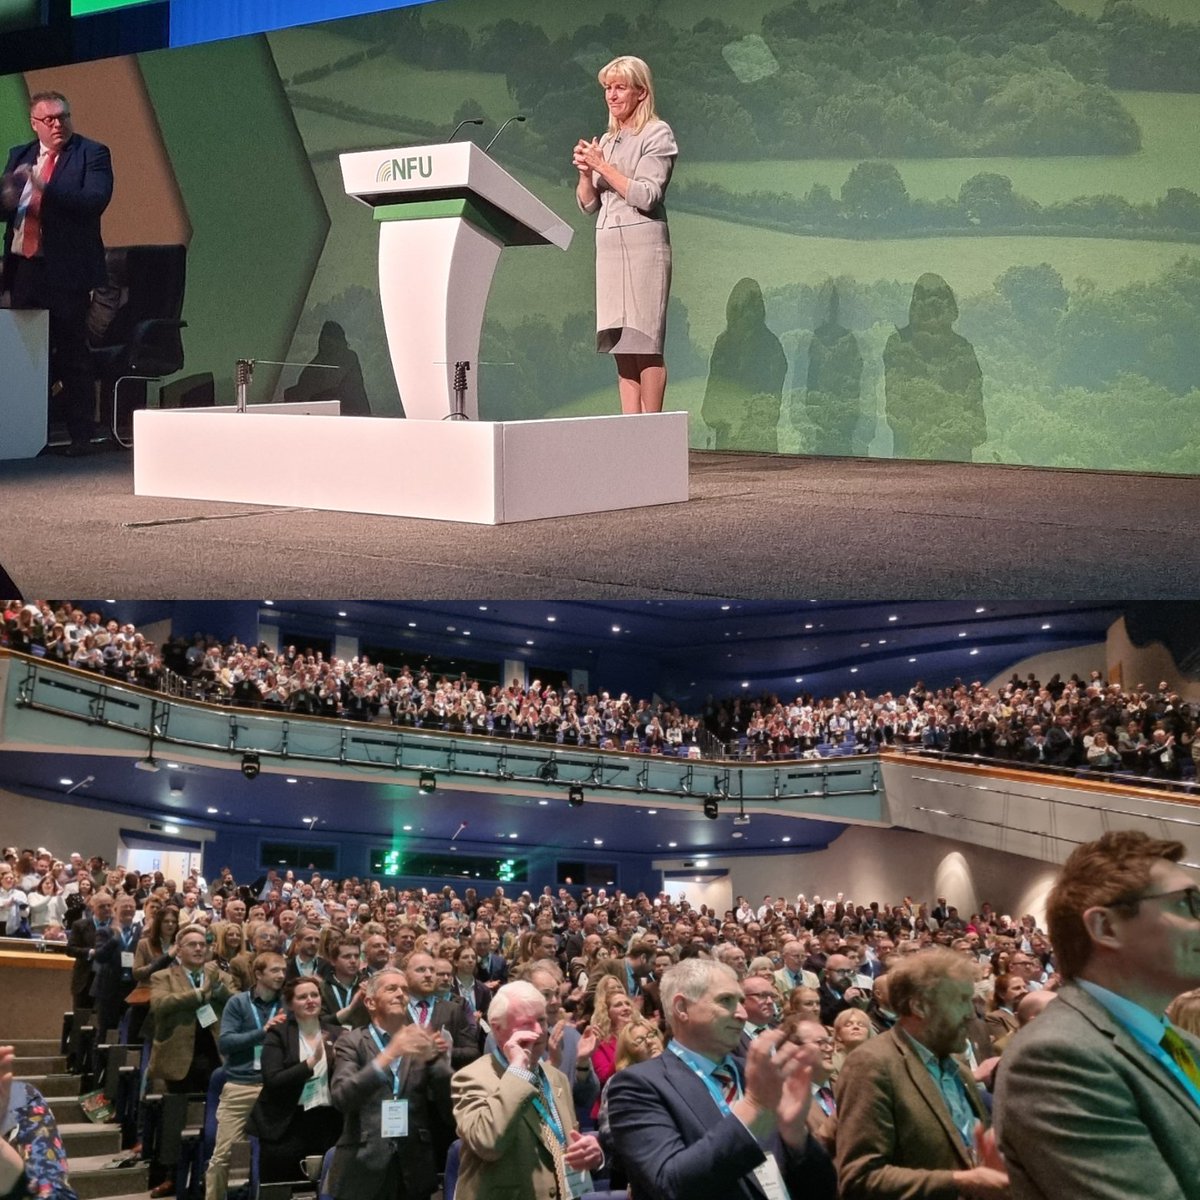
(24, 374)
(444, 213)
(481, 472)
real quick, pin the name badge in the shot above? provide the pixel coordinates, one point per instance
(770, 1179)
(206, 1015)
(126, 959)
(580, 1182)
(309, 1096)
(393, 1119)
(258, 1058)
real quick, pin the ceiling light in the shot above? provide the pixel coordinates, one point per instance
(412, 624)
(173, 766)
(893, 618)
(616, 629)
(808, 626)
(653, 812)
(340, 613)
(597, 841)
(981, 610)
(513, 835)
(724, 607)
(738, 834)
(745, 683)
(212, 811)
(672, 845)
(426, 783)
(529, 641)
(1047, 625)
(551, 619)
(702, 862)
(170, 829)
(574, 796)
(483, 608)
(66, 782)
(799, 678)
(963, 634)
(268, 602)
(250, 766)
(853, 670)
(786, 839)
(974, 651)
(543, 803)
(292, 779)
(912, 660)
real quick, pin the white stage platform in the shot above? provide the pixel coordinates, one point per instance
(24, 353)
(481, 472)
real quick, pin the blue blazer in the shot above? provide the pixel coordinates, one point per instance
(76, 196)
(675, 1145)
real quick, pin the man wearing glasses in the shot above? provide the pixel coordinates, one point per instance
(52, 194)
(1100, 1096)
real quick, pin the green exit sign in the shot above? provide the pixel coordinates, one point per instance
(85, 8)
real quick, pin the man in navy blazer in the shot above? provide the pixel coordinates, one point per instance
(692, 1125)
(52, 194)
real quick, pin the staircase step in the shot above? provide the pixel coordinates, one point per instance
(68, 1112)
(41, 1064)
(53, 1086)
(86, 1140)
(32, 1046)
(91, 1178)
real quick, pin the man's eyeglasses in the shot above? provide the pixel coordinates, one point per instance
(54, 119)
(1189, 899)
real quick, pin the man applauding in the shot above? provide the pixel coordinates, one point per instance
(692, 1125)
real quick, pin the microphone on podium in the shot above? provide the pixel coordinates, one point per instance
(518, 117)
(465, 121)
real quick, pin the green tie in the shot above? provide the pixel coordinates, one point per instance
(1181, 1052)
(197, 979)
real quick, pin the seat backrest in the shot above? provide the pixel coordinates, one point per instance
(453, 1157)
(144, 283)
(215, 1084)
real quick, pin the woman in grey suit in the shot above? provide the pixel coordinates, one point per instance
(623, 176)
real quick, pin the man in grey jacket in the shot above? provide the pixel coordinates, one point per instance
(1100, 1096)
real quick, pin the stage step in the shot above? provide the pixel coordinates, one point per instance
(92, 1178)
(29, 1047)
(41, 1064)
(85, 1140)
(69, 1112)
(53, 1086)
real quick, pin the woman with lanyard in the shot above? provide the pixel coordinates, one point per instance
(475, 995)
(294, 1116)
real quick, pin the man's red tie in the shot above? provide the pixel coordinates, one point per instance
(422, 1012)
(726, 1080)
(31, 239)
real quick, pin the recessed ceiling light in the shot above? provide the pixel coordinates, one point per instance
(269, 602)
(466, 633)
(785, 839)
(529, 641)
(808, 626)
(412, 624)
(67, 782)
(341, 613)
(543, 803)
(745, 683)
(616, 629)
(702, 862)
(597, 841)
(483, 608)
(974, 651)
(737, 833)
(724, 607)
(451, 629)
(513, 835)
(883, 641)
(653, 812)
(863, 645)
(912, 660)
(893, 618)
(963, 634)
(981, 609)
(406, 828)
(799, 678)
(551, 619)
(212, 811)
(853, 670)
(672, 845)
(170, 829)
(1046, 625)
(292, 779)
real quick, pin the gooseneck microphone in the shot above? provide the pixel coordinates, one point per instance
(465, 121)
(518, 117)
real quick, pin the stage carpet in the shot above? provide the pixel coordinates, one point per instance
(755, 527)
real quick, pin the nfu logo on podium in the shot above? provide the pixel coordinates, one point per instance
(405, 168)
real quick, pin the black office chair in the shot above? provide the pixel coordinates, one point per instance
(134, 326)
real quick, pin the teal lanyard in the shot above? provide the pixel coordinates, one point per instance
(395, 1065)
(258, 1016)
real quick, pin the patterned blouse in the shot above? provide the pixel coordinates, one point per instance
(29, 1125)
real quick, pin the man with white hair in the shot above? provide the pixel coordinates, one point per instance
(514, 1111)
(693, 1125)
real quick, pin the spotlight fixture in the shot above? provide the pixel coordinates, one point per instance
(712, 810)
(548, 771)
(575, 796)
(250, 766)
(426, 783)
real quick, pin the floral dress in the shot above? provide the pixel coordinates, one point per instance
(29, 1125)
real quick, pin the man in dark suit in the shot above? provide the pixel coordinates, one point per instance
(52, 194)
(1100, 1095)
(910, 1120)
(113, 980)
(689, 1125)
(761, 1001)
(448, 1017)
(490, 968)
(390, 1061)
(86, 933)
